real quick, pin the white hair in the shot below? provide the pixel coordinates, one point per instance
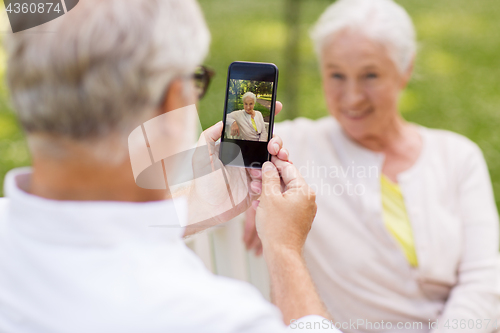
(102, 68)
(381, 20)
(249, 94)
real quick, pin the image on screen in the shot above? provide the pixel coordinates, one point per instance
(248, 110)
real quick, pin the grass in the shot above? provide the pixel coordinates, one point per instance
(455, 86)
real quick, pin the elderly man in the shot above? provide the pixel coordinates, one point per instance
(77, 253)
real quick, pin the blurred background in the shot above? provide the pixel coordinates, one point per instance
(455, 85)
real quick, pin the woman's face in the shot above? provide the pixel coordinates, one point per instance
(361, 84)
(248, 104)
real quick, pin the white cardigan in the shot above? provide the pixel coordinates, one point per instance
(244, 121)
(359, 269)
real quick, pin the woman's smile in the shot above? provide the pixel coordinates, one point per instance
(356, 114)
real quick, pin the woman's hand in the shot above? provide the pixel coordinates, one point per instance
(235, 130)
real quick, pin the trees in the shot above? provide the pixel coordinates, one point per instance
(239, 87)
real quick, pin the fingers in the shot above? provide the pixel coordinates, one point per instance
(274, 145)
(283, 154)
(213, 133)
(255, 204)
(271, 184)
(289, 174)
(278, 107)
(256, 186)
(255, 180)
(255, 173)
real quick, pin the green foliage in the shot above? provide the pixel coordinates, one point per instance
(240, 87)
(13, 149)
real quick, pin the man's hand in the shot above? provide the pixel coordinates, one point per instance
(250, 236)
(284, 216)
(208, 198)
(235, 130)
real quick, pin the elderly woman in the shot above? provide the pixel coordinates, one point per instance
(406, 233)
(248, 123)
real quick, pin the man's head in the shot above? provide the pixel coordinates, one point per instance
(96, 73)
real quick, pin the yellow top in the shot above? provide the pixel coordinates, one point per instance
(396, 218)
(254, 125)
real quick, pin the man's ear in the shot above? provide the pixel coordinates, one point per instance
(177, 96)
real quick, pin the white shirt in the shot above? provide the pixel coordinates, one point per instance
(69, 266)
(244, 121)
(359, 268)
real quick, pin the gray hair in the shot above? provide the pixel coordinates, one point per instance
(103, 67)
(249, 94)
(381, 20)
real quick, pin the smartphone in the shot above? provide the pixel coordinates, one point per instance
(248, 114)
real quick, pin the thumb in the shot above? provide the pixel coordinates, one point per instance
(271, 184)
(213, 133)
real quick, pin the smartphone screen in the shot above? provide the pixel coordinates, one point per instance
(248, 114)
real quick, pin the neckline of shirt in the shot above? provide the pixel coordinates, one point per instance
(89, 221)
(353, 150)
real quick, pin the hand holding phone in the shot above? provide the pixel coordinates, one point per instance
(242, 185)
(248, 114)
